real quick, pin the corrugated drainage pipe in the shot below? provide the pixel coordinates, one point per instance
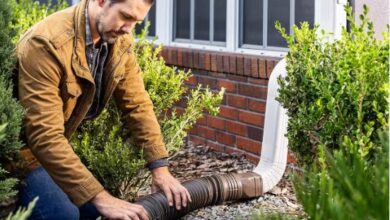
(217, 189)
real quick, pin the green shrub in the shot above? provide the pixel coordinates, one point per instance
(6, 184)
(117, 164)
(13, 22)
(35, 11)
(335, 92)
(120, 164)
(346, 186)
(23, 213)
(10, 111)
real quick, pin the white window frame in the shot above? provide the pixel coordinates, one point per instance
(328, 14)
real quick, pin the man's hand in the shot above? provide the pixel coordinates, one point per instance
(113, 208)
(174, 191)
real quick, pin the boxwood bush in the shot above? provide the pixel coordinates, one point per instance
(336, 91)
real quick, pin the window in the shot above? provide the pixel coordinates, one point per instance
(200, 21)
(258, 17)
(238, 26)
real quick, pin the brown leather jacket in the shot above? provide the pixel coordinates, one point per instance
(56, 88)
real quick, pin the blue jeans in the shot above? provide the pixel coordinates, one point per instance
(53, 203)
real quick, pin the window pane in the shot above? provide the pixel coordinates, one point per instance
(304, 11)
(278, 10)
(220, 20)
(202, 20)
(182, 19)
(252, 22)
(152, 20)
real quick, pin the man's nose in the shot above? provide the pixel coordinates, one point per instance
(126, 29)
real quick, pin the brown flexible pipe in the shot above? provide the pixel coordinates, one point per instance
(205, 191)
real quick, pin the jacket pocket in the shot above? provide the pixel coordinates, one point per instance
(73, 91)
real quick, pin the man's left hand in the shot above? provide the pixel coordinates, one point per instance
(174, 191)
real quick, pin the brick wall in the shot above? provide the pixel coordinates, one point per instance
(239, 126)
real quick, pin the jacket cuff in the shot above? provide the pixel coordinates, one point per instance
(86, 191)
(163, 162)
(155, 152)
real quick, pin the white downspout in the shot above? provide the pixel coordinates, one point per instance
(273, 158)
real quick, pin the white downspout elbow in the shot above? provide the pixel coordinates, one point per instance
(273, 159)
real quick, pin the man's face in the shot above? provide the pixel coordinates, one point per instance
(120, 18)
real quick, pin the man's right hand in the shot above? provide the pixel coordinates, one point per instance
(113, 208)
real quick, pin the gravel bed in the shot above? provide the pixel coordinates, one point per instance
(197, 161)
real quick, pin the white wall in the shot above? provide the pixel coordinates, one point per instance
(378, 13)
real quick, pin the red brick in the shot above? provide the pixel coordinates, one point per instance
(213, 62)
(240, 65)
(236, 151)
(201, 121)
(219, 63)
(228, 85)
(211, 82)
(236, 128)
(191, 81)
(164, 54)
(258, 106)
(226, 66)
(229, 113)
(232, 64)
(195, 55)
(200, 72)
(255, 68)
(237, 78)
(190, 59)
(251, 118)
(193, 130)
(218, 75)
(216, 146)
(185, 58)
(270, 67)
(247, 66)
(252, 91)
(207, 64)
(224, 100)
(174, 56)
(263, 82)
(225, 138)
(215, 122)
(249, 145)
(252, 158)
(262, 69)
(179, 57)
(206, 133)
(197, 140)
(169, 56)
(255, 133)
(237, 101)
(202, 60)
